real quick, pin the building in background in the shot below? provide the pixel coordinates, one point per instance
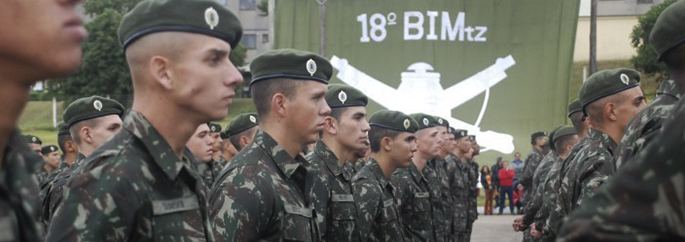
(256, 34)
(615, 22)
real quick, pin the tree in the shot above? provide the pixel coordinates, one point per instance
(645, 60)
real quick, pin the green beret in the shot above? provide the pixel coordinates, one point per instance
(90, 108)
(425, 120)
(574, 107)
(605, 83)
(667, 33)
(394, 120)
(563, 131)
(460, 133)
(537, 135)
(63, 129)
(551, 136)
(33, 139)
(48, 149)
(204, 17)
(340, 95)
(292, 64)
(223, 135)
(668, 87)
(214, 127)
(241, 123)
(442, 122)
(472, 137)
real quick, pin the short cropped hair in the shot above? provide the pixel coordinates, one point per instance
(376, 134)
(263, 91)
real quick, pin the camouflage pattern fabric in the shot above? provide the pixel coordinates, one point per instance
(414, 202)
(459, 191)
(643, 201)
(42, 176)
(473, 197)
(54, 193)
(260, 196)
(378, 218)
(532, 162)
(133, 188)
(19, 202)
(359, 165)
(644, 126)
(533, 207)
(589, 169)
(217, 167)
(559, 210)
(549, 188)
(206, 171)
(442, 202)
(329, 189)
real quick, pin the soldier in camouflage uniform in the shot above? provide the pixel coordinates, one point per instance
(591, 166)
(457, 172)
(218, 162)
(392, 143)
(139, 185)
(473, 185)
(40, 40)
(200, 145)
(93, 120)
(437, 175)
(51, 156)
(329, 182)
(228, 151)
(261, 194)
(640, 203)
(532, 162)
(415, 193)
(646, 123)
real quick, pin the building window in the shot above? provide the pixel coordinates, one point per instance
(645, 1)
(249, 41)
(247, 5)
(265, 38)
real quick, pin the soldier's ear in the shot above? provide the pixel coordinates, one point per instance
(279, 104)
(610, 111)
(159, 70)
(386, 144)
(330, 125)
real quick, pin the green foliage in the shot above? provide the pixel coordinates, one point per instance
(263, 7)
(645, 60)
(238, 56)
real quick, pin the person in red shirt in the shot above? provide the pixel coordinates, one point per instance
(506, 179)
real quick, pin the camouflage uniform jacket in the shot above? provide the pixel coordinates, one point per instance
(19, 203)
(533, 207)
(588, 170)
(359, 165)
(559, 210)
(133, 188)
(206, 172)
(642, 129)
(550, 188)
(441, 202)
(260, 196)
(329, 189)
(378, 218)
(473, 190)
(217, 166)
(643, 201)
(42, 176)
(532, 162)
(414, 202)
(459, 192)
(54, 193)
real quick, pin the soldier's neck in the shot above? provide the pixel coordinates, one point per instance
(282, 136)
(420, 160)
(443, 154)
(13, 97)
(613, 131)
(70, 158)
(158, 110)
(461, 155)
(338, 149)
(384, 162)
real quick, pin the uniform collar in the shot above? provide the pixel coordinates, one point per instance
(377, 172)
(604, 139)
(285, 163)
(329, 158)
(158, 148)
(418, 176)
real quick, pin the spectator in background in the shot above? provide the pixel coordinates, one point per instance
(495, 180)
(517, 197)
(506, 179)
(517, 165)
(486, 181)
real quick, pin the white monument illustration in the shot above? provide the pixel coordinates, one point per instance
(420, 91)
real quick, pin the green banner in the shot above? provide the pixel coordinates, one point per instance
(499, 69)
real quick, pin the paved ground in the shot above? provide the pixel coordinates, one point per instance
(495, 228)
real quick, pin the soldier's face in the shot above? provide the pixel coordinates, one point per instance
(203, 78)
(35, 148)
(442, 135)
(449, 143)
(200, 144)
(428, 142)
(229, 151)
(107, 126)
(402, 149)
(216, 146)
(305, 114)
(52, 159)
(464, 144)
(352, 128)
(40, 38)
(632, 104)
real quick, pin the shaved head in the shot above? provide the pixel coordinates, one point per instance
(169, 45)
